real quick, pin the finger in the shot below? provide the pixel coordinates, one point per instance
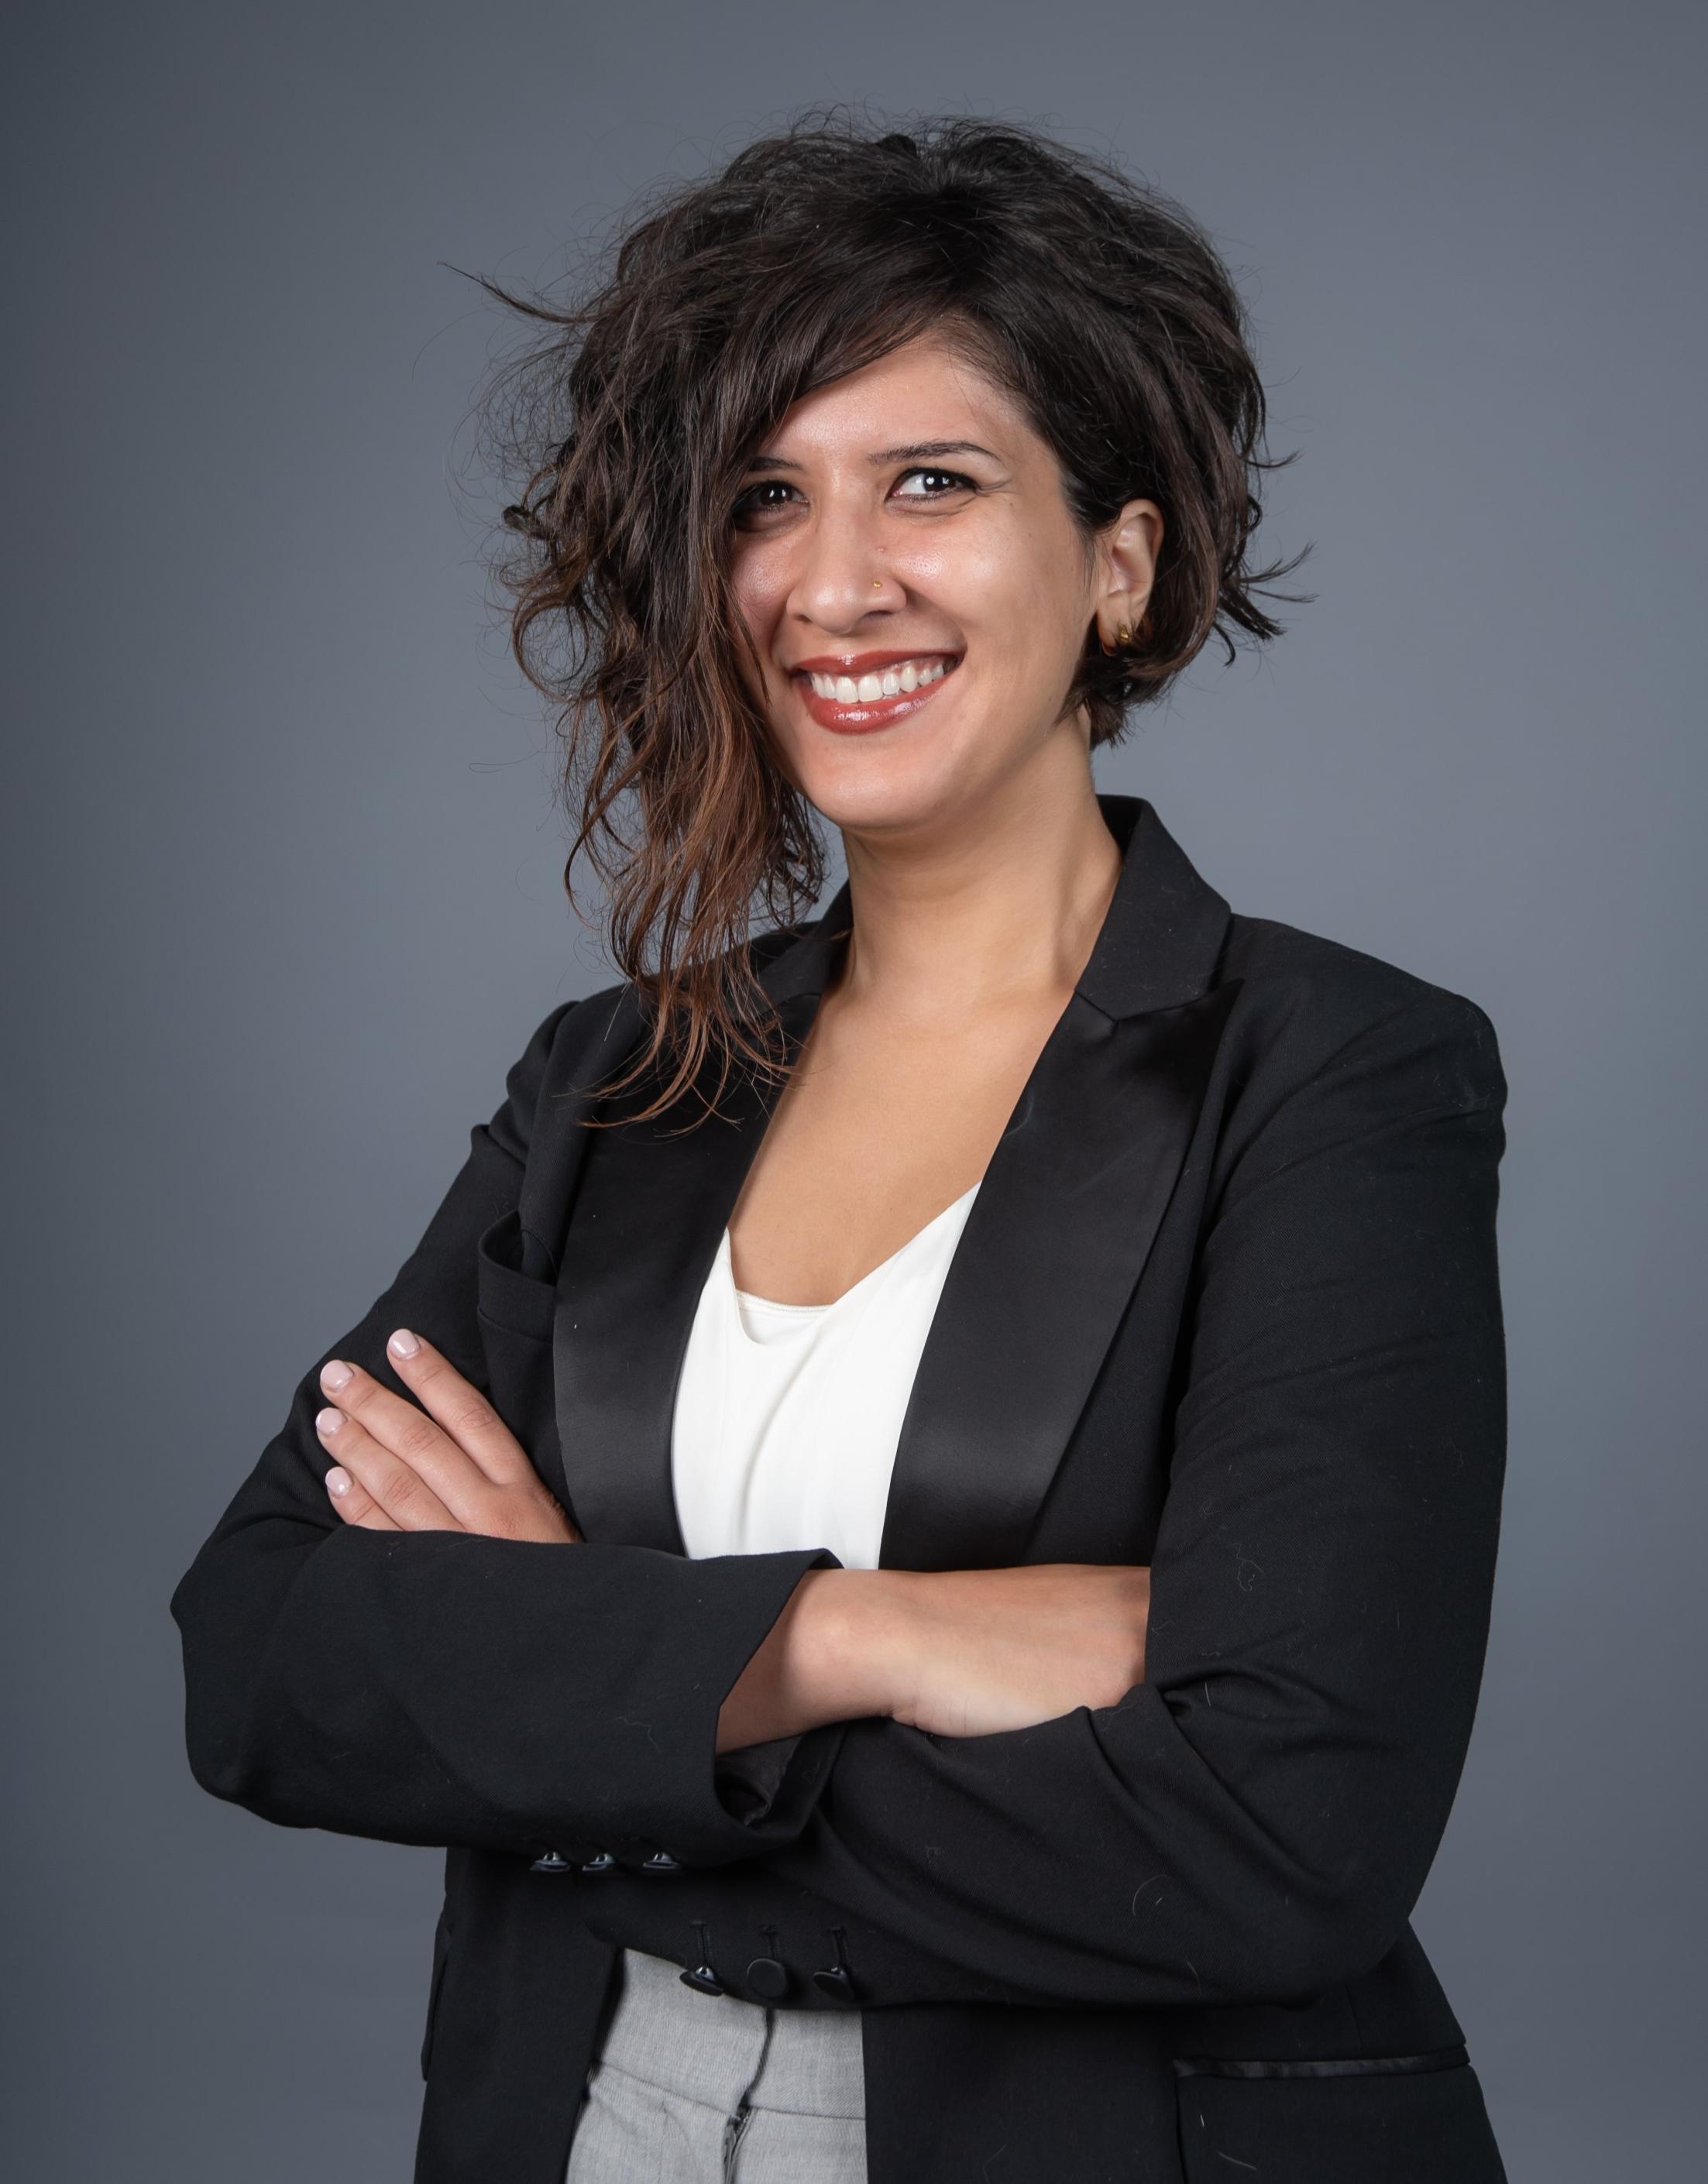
(459, 1407)
(398, 1488)
(354, 1502)
(405, 1430)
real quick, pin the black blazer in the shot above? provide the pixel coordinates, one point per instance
(1227, 1305)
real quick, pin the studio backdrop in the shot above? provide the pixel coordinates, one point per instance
(284, 880)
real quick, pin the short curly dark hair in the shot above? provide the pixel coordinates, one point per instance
(1099, 302)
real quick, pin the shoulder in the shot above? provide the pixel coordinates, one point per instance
(569, 1026)
(572, 1046)
(1308, 1007)
(596, 1031)
(580, 1041)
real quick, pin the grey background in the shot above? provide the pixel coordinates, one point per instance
(286, 903)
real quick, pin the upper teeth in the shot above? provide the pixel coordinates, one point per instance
(866, 689)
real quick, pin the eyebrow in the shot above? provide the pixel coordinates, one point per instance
(920, 451)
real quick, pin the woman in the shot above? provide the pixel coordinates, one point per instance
(921, 1520)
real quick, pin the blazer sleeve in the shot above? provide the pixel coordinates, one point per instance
(445, 1688)
(1255, 1821)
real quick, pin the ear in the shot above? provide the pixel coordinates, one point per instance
(1125, 565)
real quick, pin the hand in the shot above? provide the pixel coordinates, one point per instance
(957, 1653)
(451, 1466)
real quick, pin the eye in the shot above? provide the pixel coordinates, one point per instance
(941, 484)
(757, 500)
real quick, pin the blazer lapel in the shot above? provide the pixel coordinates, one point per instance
(1056, 1240)
(651, 1204)
(1059, 1233)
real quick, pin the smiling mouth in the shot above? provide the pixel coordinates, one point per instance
(887, 692)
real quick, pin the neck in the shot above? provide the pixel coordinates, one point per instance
(998, 904)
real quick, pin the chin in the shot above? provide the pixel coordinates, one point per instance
(878, 794)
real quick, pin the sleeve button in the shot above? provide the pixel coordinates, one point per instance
(660, 1862)
(768, 1978)
(553, 1861)
(837, 1982)
(600, 1862)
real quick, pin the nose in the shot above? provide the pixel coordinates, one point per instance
(841, 576)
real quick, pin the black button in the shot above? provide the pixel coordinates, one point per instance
(837, 1981)
(768, 1978)
(600, 1862)
(704, 1980)
(660, 1862)
(553, 1862)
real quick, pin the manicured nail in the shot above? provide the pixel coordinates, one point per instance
(403, 1343)
(328, 1421)
(335, 1374)
(337, 1480)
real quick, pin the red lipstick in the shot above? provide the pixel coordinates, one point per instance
(859, 716)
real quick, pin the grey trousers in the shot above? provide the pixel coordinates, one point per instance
(709, 2089)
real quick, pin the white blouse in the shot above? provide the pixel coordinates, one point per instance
(784, 1433)
(788, 1415)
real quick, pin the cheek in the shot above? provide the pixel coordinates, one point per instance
(1013, 583)
(757, 602)
(759, 583)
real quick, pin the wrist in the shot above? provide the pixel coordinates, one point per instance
(850, 1648)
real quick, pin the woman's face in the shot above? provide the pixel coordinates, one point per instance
(918, 595)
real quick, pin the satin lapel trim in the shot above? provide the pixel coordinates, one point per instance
(1060, 1233)
(651, 1208)
(1055, 1244)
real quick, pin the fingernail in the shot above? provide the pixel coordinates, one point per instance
(337, 1480)
(328, 1421)
(335, 1374)
(403, 1343)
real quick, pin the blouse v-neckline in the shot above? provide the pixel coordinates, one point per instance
(746, 1299)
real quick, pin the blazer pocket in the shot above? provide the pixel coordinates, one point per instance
(515, 1303)
(441, 1957)
(1401, 2119)
(512, 1291)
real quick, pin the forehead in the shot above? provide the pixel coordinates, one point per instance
(924, 390)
